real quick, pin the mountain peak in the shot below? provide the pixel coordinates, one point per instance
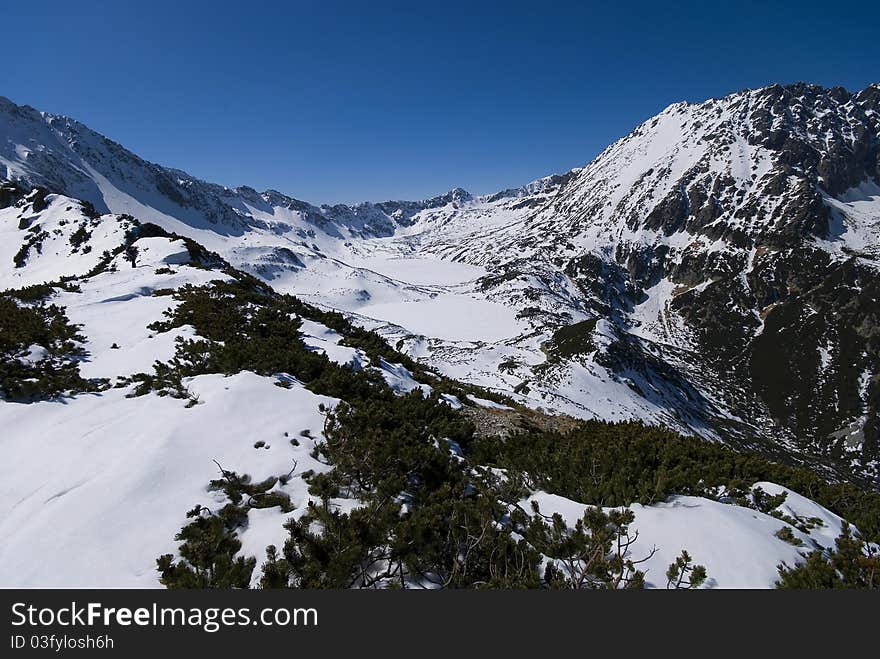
(715, 272)
(456, 195)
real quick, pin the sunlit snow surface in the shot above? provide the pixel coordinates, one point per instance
(450, 317)
(737, 545)
(439, 278)
(93, 489)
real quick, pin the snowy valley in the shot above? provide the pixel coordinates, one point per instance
(709, 279)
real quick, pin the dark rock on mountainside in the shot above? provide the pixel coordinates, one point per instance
(715, 271)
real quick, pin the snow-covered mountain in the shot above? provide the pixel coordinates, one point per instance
(96, 467)
(714, 272)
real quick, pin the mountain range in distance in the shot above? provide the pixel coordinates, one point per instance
(714, 273)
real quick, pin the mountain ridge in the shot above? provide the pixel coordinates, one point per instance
(417, 376)
(6, 103)
(669, 254)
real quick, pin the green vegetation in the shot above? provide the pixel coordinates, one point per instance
(570, 341)
(80, 236)
(426, 518)
(39, 292)
(617, 464)
(787, 535)
(593, 554)
(208, 549)
(88, 209)
(34, 239)
(853, 563)
(39, 348)
(432, 504)
(437, 506)
(209, 543)
(683, 574)
(38, 199)
(427, 522)
(245, 329)
(428, 515)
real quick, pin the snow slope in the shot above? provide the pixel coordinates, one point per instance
(737, 545)
(94, 487)
(475, 286)
(680, 238)
(650, 284)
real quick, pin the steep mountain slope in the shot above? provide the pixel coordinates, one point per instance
(728, 251)
(715, 271)
(162, 377)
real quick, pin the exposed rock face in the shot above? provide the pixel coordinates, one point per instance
(768, 237)
(734, 245)
(726, 255)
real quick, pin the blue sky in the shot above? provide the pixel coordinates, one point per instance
(349, 101)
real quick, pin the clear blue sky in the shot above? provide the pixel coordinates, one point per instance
(347, 101)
